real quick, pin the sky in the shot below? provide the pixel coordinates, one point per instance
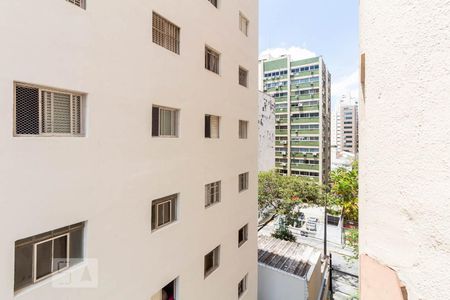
(306, 28)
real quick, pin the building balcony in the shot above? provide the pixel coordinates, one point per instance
(305, 155)
(305, 143)
(304, 108)
(303, 132)
(280, 99)
(308, 167)
(305, 97)
(305, 120)
(281, 110)
(281, 143)
(281, 131)
(304, 85)
(281, 153)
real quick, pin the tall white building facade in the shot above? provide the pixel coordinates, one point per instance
(116, 124)
(347, 125)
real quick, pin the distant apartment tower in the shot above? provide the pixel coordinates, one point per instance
(126, 171)
(266, 132)
(347, 125)
(301, 89)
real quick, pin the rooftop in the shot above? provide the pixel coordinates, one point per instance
(290, 257)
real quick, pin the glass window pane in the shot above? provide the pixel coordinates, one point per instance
(43, 259)
(23, 266)
(76, 247)
(60, 253)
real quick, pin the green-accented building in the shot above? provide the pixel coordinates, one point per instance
(302, 93)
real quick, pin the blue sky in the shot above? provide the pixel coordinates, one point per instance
(322, 27)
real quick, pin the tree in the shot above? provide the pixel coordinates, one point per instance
(344, 191)
(280, 195)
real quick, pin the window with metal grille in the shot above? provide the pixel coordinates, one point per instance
(212, 60)
(165, 33)
(40, 256)
(243, 127)
(243, 24)
(212, 193)
(164, 211)
(243, 74)
(243, 181)
(164, 121)
(242, 286)
(213, 2)
(79, 3)
(212, 261)
(212, 124)
(43, 111)
(242, 235)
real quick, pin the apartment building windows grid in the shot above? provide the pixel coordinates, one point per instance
(47, 112)
(212, 193)
(243, 129)
(243, 182)
(212, 60)
(212, 260)
(164, 121)
(43, 255)
(165, 33)
(243, 24)
(243, 76)
(212, 126)
(79, 3)
(242, 286)
(164, 211)
(242, 235)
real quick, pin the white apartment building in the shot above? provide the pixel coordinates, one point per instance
(347, 125)
(404, 150)
(126, 169)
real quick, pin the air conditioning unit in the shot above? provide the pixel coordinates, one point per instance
(278, 119)
(283, 153)
(283, 142)
(283, 164)
(300, 104)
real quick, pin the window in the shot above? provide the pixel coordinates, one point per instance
(243, 24)
(164, 211)
(212, 193)
(43, 111)
(212, 261)
(212, 126)
(243, 182)
(164, 121)
(40, 256)
(79, 3)
(242, 286)
(212, 60)
(165, 33)
(243, 80)
(213, 2)
(243, 127)
(167, 292)
(242, 235)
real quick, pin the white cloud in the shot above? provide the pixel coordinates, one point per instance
(344, 85)
(296, 53)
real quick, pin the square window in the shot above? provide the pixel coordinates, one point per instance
(79, 3)
(212, 124)
(164, 211)
(212, 60)
(242, 235)
(242, 286)
(243, 24)
(169, 291)
(212, 193)
(243, 127)
(164, 121)
(213, 2)
(243, 182)
(165, 33)
(243, 77)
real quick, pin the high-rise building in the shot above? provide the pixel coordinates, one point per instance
(404, 212)
(347, 125)
(126, 171)
(301, 89)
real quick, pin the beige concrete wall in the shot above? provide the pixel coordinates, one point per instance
(404, 142)
(110, 177)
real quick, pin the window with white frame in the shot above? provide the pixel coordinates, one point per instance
(243, 77)
(242, 286)
(165, 33)
(212, 60)
(40, 256)
(164, 121)
(79, 3)
(242, 235)
(243, 181)
(212, 261)
(164, 211)
(243, 128)
(212, 191)
(47, 112)
(243, 24)
(212, 124)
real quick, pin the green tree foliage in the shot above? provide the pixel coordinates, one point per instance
(283, 233)
(344, 191)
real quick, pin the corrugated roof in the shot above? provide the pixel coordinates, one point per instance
(289, 257)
